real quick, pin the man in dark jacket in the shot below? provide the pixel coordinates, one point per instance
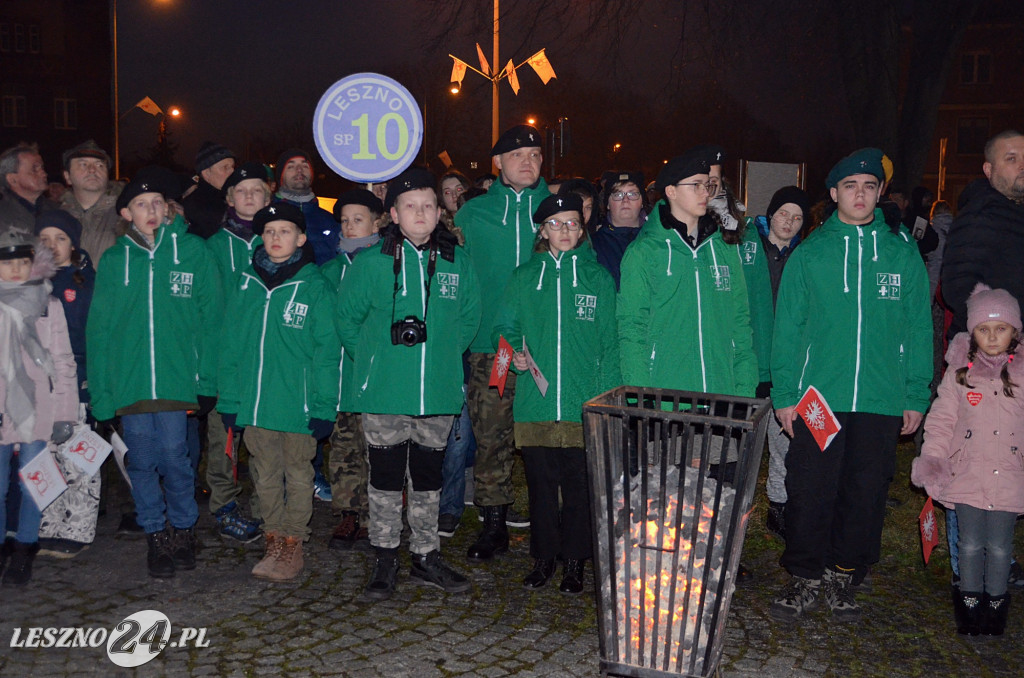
(23, 184)
(204, 205)
(295, 180)
(986, 241)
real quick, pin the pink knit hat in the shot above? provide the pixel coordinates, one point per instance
(986, 304)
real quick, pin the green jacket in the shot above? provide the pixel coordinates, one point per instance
(424, 379)
(279, 358)
(231, 254)
(152, 327)
(853, 320)
(684, 318)
(565, 309)
(759, 294)
(500, 233)
(334, 272)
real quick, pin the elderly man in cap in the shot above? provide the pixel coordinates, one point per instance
(23, 185)
(852, 320)
(623, 202)
(92, 196)
(499, 234)
(204, 202)
(295, 180)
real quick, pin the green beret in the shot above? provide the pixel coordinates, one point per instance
(862, 161)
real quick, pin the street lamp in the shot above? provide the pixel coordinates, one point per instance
(531, 121)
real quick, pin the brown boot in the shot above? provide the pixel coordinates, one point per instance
(275, 543)
(289, 562)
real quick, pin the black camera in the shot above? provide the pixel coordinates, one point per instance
(409, 331)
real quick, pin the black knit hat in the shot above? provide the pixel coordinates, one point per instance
(287, 155)
(16, 245)
(249, 170)
(694, 161)
(61, 220)
(791, 194)
(520, 136)
(410, 180)
(152, 179)
(553, 204)
(358, 196)
(210, 154)
(278, 211)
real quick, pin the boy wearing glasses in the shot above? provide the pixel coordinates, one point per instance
(624, 215)
(684, 318)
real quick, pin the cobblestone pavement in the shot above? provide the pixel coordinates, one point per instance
(316, 626)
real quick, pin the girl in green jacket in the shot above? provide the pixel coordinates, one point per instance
(559, 306)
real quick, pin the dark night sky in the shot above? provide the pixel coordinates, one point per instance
(245, 73)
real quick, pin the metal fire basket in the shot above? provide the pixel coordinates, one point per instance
(672, 477)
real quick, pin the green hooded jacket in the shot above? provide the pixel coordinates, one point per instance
(565, 309)
(334, 272)
(759, 294)
(152, 327)
(423, 379)
(279, 356)
(500, 233)
(231, 254)
(853, 320)
(684, 318)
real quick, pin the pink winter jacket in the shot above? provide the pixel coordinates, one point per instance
(60, 403)
(973, 450)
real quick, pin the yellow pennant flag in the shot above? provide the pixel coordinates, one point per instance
(513, 79)
(149, 106)
(483, 61)
(445, 158)
(539, 62)
(458, 70)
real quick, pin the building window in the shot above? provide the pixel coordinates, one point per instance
(65, 113)
(19, 38)
(5, 37)
(35, 42)
(975, 68)
(972, 134)
(14, 111)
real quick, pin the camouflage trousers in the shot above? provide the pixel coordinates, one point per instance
(404, 449)
(283, 459)
(346, 466)
(493, 427)
(220, 472)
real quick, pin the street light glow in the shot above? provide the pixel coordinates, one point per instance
(531, 121)
(454, 89)
(174, 111)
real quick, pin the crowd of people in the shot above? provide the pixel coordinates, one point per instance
(234, 313)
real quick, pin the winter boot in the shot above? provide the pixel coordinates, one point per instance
(572, 577)
(968, 612)
(159, 559)
(385, 571)
(776, 522)
(19, 572)
(493, 539)
(543, 570)
(838, 589)
(183, 548)
(993, 613)
(289, 562)
(274, 544)
(429, 569)
(347, 532)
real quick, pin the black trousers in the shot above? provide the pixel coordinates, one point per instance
(836, 497)
(553, 531)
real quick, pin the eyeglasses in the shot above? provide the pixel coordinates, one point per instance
(785, 217)
(619, 196)
(698, 187)
(556, 225)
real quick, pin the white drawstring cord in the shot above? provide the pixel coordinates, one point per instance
(874, 238)
(540, 280)
(668, 244)
(126, 250)
(174, 241)
(846, 257)
(574, 280)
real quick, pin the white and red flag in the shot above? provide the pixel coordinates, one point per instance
(818, 416)
(500, 368)
(929, 529)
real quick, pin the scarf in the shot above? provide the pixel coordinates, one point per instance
(238, 226)
(296, 197)
(21, 304)
(353, 245)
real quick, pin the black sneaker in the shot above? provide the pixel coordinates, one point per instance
(382, 579)
(1016, 577)
(159, 559)
(19, 572)
(183, 548)
(129, 524)
(61, 548)
(838, 589)
(447, 524)
(432, 571)
(776, 521)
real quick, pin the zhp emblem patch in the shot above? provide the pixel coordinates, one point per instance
(586, 307)
(720, 274)
(888, 285)
(449, 285)
(181, 284)
(749, 252)
(295, 315)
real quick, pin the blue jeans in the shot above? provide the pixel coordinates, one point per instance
(29, 514)
(986, 543)
(158, 450)
(194, 448)
(459, 455)
(952, 536)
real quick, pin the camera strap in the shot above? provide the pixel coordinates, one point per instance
(431, 269)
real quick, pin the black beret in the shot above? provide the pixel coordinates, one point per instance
(553, 204)
(62, 220)
(278, 211)
(520, 136)
(577, 184)
(358, 196)
(152, 179)
(713, 153)
(861, 161)
(694, 161)
(210, 154)
(249, 170)
(410, 180)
